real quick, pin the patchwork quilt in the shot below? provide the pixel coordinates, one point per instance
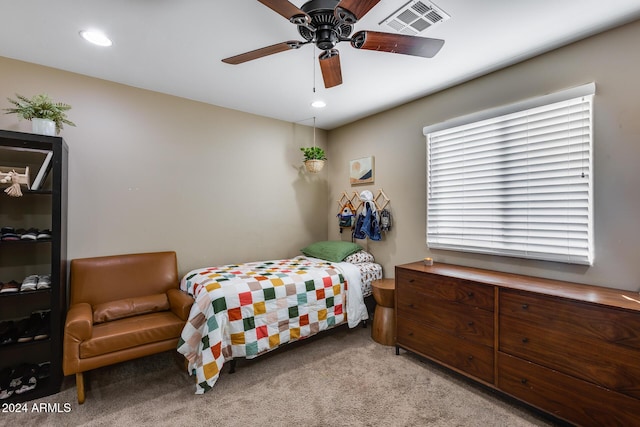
(244, 310)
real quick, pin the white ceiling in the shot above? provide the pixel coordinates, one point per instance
(176, 47)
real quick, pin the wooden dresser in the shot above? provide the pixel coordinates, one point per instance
(568, 349)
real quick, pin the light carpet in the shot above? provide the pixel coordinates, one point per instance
(340, 378)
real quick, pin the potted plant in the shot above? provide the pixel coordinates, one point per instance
(47, 117)
(314, 158)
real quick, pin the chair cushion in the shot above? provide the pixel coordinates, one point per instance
(114, 310)
(130, 332)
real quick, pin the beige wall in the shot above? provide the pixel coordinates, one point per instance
(154, 172)
(395, 138)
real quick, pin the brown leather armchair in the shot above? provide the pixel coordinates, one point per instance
(122, 307)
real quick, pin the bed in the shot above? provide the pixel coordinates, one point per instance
(245, 310)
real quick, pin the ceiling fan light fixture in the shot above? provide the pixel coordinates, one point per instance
(318, 104)
(96, 37)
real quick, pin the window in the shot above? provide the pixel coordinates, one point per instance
(515, 181)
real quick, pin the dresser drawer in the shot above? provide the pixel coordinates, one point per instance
(473, 359)
(613, 326)
(458, 319)
(564, 396)
(610, 366)
(446, 288)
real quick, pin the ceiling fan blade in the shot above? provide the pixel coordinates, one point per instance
(397, 43)
(330, 67)
(288, 10)
(265, 51)
(350, 11)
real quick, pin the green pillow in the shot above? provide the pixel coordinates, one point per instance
(331, 250)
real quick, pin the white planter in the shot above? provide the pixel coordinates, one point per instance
(43, 126)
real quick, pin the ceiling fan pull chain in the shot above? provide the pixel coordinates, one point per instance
(313, 62)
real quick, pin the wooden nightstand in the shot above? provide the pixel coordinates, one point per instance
(384, 320)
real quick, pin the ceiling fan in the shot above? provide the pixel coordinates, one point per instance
(329, 22)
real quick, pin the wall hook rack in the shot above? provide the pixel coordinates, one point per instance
(380, 200)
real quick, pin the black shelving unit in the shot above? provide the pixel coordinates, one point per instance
(45, 208)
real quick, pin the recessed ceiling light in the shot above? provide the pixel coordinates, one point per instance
(95, 37)
(318, 104)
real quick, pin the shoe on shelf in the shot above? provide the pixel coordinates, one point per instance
(44, 281)
(44, 329)
(8, 234)
(21, 326)
(31, 234)
(11, 286)
(29, 327)
(5, 381)
(5, 325)
(24, 378)
(15, 379)
(9, 334)
(30, 283)
(44, 235)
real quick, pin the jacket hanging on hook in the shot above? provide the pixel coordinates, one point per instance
(367, 224)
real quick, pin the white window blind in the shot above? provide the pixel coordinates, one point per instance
(517, 184)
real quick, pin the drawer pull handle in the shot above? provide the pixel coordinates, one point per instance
(412, 280)
(525, 340)
(470, 294)
(525, 306)
(411, 305)
(470, 357)
(523, 381)
(470, 323)
(410, 334)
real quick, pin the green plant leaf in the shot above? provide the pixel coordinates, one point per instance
(40, 107)
(313, 153)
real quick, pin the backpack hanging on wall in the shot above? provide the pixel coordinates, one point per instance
(385, 220)
(347, 216)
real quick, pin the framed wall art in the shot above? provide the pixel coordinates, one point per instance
(361, 171)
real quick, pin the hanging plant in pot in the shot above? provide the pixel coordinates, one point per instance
(47, 117)
(314, 158)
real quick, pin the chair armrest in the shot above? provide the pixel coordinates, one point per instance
(79, 323)
(180, 303)
(77, 328)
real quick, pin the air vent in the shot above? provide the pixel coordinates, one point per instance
(414, 17)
